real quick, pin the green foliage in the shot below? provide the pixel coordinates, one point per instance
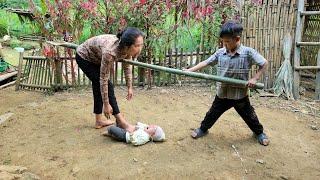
(12, 25)
(86, 33)
(3, 27)
(14, 42)
(19, 4)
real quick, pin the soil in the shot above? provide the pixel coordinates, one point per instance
(54, 137)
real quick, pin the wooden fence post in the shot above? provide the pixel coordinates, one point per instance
(20, 50)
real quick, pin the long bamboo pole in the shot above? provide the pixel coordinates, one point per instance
(193, 74)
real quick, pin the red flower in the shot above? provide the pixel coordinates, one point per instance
(142, 2)
(209, 10)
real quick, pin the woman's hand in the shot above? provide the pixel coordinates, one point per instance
(130, 94)
(108, 111)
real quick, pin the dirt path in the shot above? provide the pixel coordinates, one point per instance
(53, 137)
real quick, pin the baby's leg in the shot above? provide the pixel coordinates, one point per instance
(117, 133)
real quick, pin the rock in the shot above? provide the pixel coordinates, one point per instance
(75, 170)
(135, 159)
(5, 117)
(13, 169)
(284, 177)
(29, 176)
(6, 38)
(260, 161)
(163, 91)
(313, 127)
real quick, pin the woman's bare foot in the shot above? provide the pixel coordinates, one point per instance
(128, 127)
(102, 123)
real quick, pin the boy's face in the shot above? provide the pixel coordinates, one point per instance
(230, 43)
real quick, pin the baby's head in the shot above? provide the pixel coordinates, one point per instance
(155, 132)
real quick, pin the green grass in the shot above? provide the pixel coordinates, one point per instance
(10, 55)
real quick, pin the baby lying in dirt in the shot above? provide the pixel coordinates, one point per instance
(143, 133)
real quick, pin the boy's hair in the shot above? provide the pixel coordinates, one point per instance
(231, 29)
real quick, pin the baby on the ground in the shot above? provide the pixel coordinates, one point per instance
(143, 133)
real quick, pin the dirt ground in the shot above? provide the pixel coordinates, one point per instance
(53, 136)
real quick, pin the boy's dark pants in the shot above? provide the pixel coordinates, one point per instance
(242, 106)
(92, 71)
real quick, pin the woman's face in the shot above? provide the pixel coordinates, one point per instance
(135, 49)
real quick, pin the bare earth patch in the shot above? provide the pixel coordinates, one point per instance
(54, 137)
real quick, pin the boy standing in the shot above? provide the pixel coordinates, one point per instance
(234, 61)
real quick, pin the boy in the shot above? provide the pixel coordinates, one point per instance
(142, 134)
(234, 61)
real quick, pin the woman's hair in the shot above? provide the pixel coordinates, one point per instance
(128, 36)
(231, 29)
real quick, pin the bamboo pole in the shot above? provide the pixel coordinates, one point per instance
(192, 74)
(317, 89)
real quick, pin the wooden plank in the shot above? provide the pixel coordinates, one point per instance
(66, 68)
(297, 51)
(198, 58)
(7, 84)
(317, 89)
(308, 43)
(25, 71)
(8, 75)
(34, 71)
(306, 67)
(35, 86)
(175, 64)
(35, 57)
(158, 73)
(42, 72)
(309, 13)
(169, 65)
(30, 70)
(46, 66)
(50, 70)
(36, 79)
(79, 84)
(154, 72)
(181, 66)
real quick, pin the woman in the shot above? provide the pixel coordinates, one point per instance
(95, 57)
